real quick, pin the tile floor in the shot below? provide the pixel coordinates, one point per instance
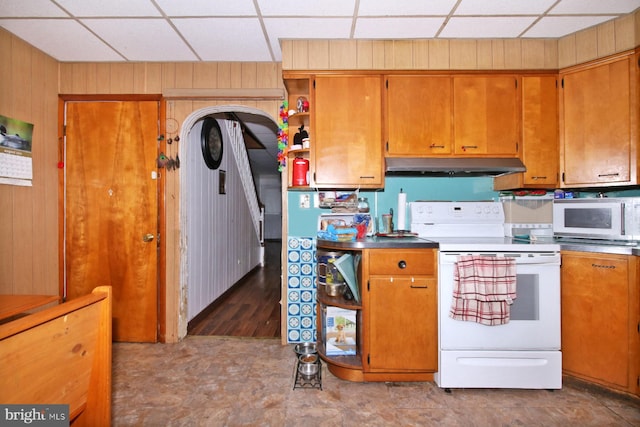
(226, 381)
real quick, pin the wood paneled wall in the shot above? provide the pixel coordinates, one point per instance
(29, 215)
(464, 54)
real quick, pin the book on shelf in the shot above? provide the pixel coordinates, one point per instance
(340, 329)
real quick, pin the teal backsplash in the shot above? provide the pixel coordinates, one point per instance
(303, 222)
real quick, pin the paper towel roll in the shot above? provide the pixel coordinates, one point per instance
(402, 210)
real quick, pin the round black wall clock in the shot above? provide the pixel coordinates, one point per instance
(211, 143)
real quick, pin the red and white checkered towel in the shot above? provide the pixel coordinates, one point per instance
(483, 289)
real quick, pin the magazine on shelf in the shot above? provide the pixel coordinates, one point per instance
(340, 331)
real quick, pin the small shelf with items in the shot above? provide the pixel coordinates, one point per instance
(339, 315)
(326, 340)
(298, 154)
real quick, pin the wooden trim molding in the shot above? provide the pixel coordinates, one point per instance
(205, 93)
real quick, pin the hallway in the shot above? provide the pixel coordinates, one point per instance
(251, 308)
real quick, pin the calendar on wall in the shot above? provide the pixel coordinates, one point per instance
(16, 166)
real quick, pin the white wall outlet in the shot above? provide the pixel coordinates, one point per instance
(305, 201)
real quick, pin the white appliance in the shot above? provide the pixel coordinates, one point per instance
(601, 218)
(523, 353)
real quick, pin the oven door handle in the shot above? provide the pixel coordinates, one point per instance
(521, 259)
(539, 260)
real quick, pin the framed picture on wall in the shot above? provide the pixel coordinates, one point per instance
(222, 182)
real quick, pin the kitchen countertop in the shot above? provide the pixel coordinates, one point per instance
(598, 247)
(376, 242)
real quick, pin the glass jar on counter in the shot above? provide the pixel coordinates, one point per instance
(363, 204)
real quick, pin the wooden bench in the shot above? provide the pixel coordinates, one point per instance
(61, 355)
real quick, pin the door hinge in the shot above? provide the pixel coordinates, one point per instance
(562, 177)
(368, 285)
(64, 130)
(368, 359)
(562, 83)
(516, 83)
(314, 83)
(386, 83)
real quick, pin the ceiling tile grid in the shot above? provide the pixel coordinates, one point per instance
(251, 30)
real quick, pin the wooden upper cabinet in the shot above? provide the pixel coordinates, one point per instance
(347, 123)
(539, 136)
(485, 115)
(418, 115)
(598, 141)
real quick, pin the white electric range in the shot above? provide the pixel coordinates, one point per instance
(525, 351)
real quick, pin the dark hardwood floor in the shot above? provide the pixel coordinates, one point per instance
(251, 308)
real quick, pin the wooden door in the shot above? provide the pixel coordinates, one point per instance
(111, 210)
(596, 132)
(418, 115)
(485, 115)
(347, 117)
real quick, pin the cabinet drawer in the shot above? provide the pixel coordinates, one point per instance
(402, 262)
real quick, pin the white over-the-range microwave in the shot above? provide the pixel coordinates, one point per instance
(597, 218)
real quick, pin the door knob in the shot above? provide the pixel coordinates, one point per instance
(147, 238)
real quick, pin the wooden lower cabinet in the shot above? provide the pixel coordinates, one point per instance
(397, 320)
(600, 315)
(405, 338)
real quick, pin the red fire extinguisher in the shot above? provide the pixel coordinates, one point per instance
(300, 172)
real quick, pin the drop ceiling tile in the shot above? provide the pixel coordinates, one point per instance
(86, 46)
(560, 26)
(305, 28)
(207, 8)
(405, 7)
(154, 39)
(590, 7)
(84, 8)
(397, 28)
(306, 9)
(33, 8)
(225, 39)
(485, 27)
(503, 7)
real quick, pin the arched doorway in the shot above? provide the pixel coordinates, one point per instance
(217, 245)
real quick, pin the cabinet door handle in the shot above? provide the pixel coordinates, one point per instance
(367, 177)
(603, 266)
(402, 264)
(414, 286)
(464, 147)
(538, 177)
(602, 175)
(436, 146)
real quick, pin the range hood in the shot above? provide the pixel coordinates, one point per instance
(458, 166)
